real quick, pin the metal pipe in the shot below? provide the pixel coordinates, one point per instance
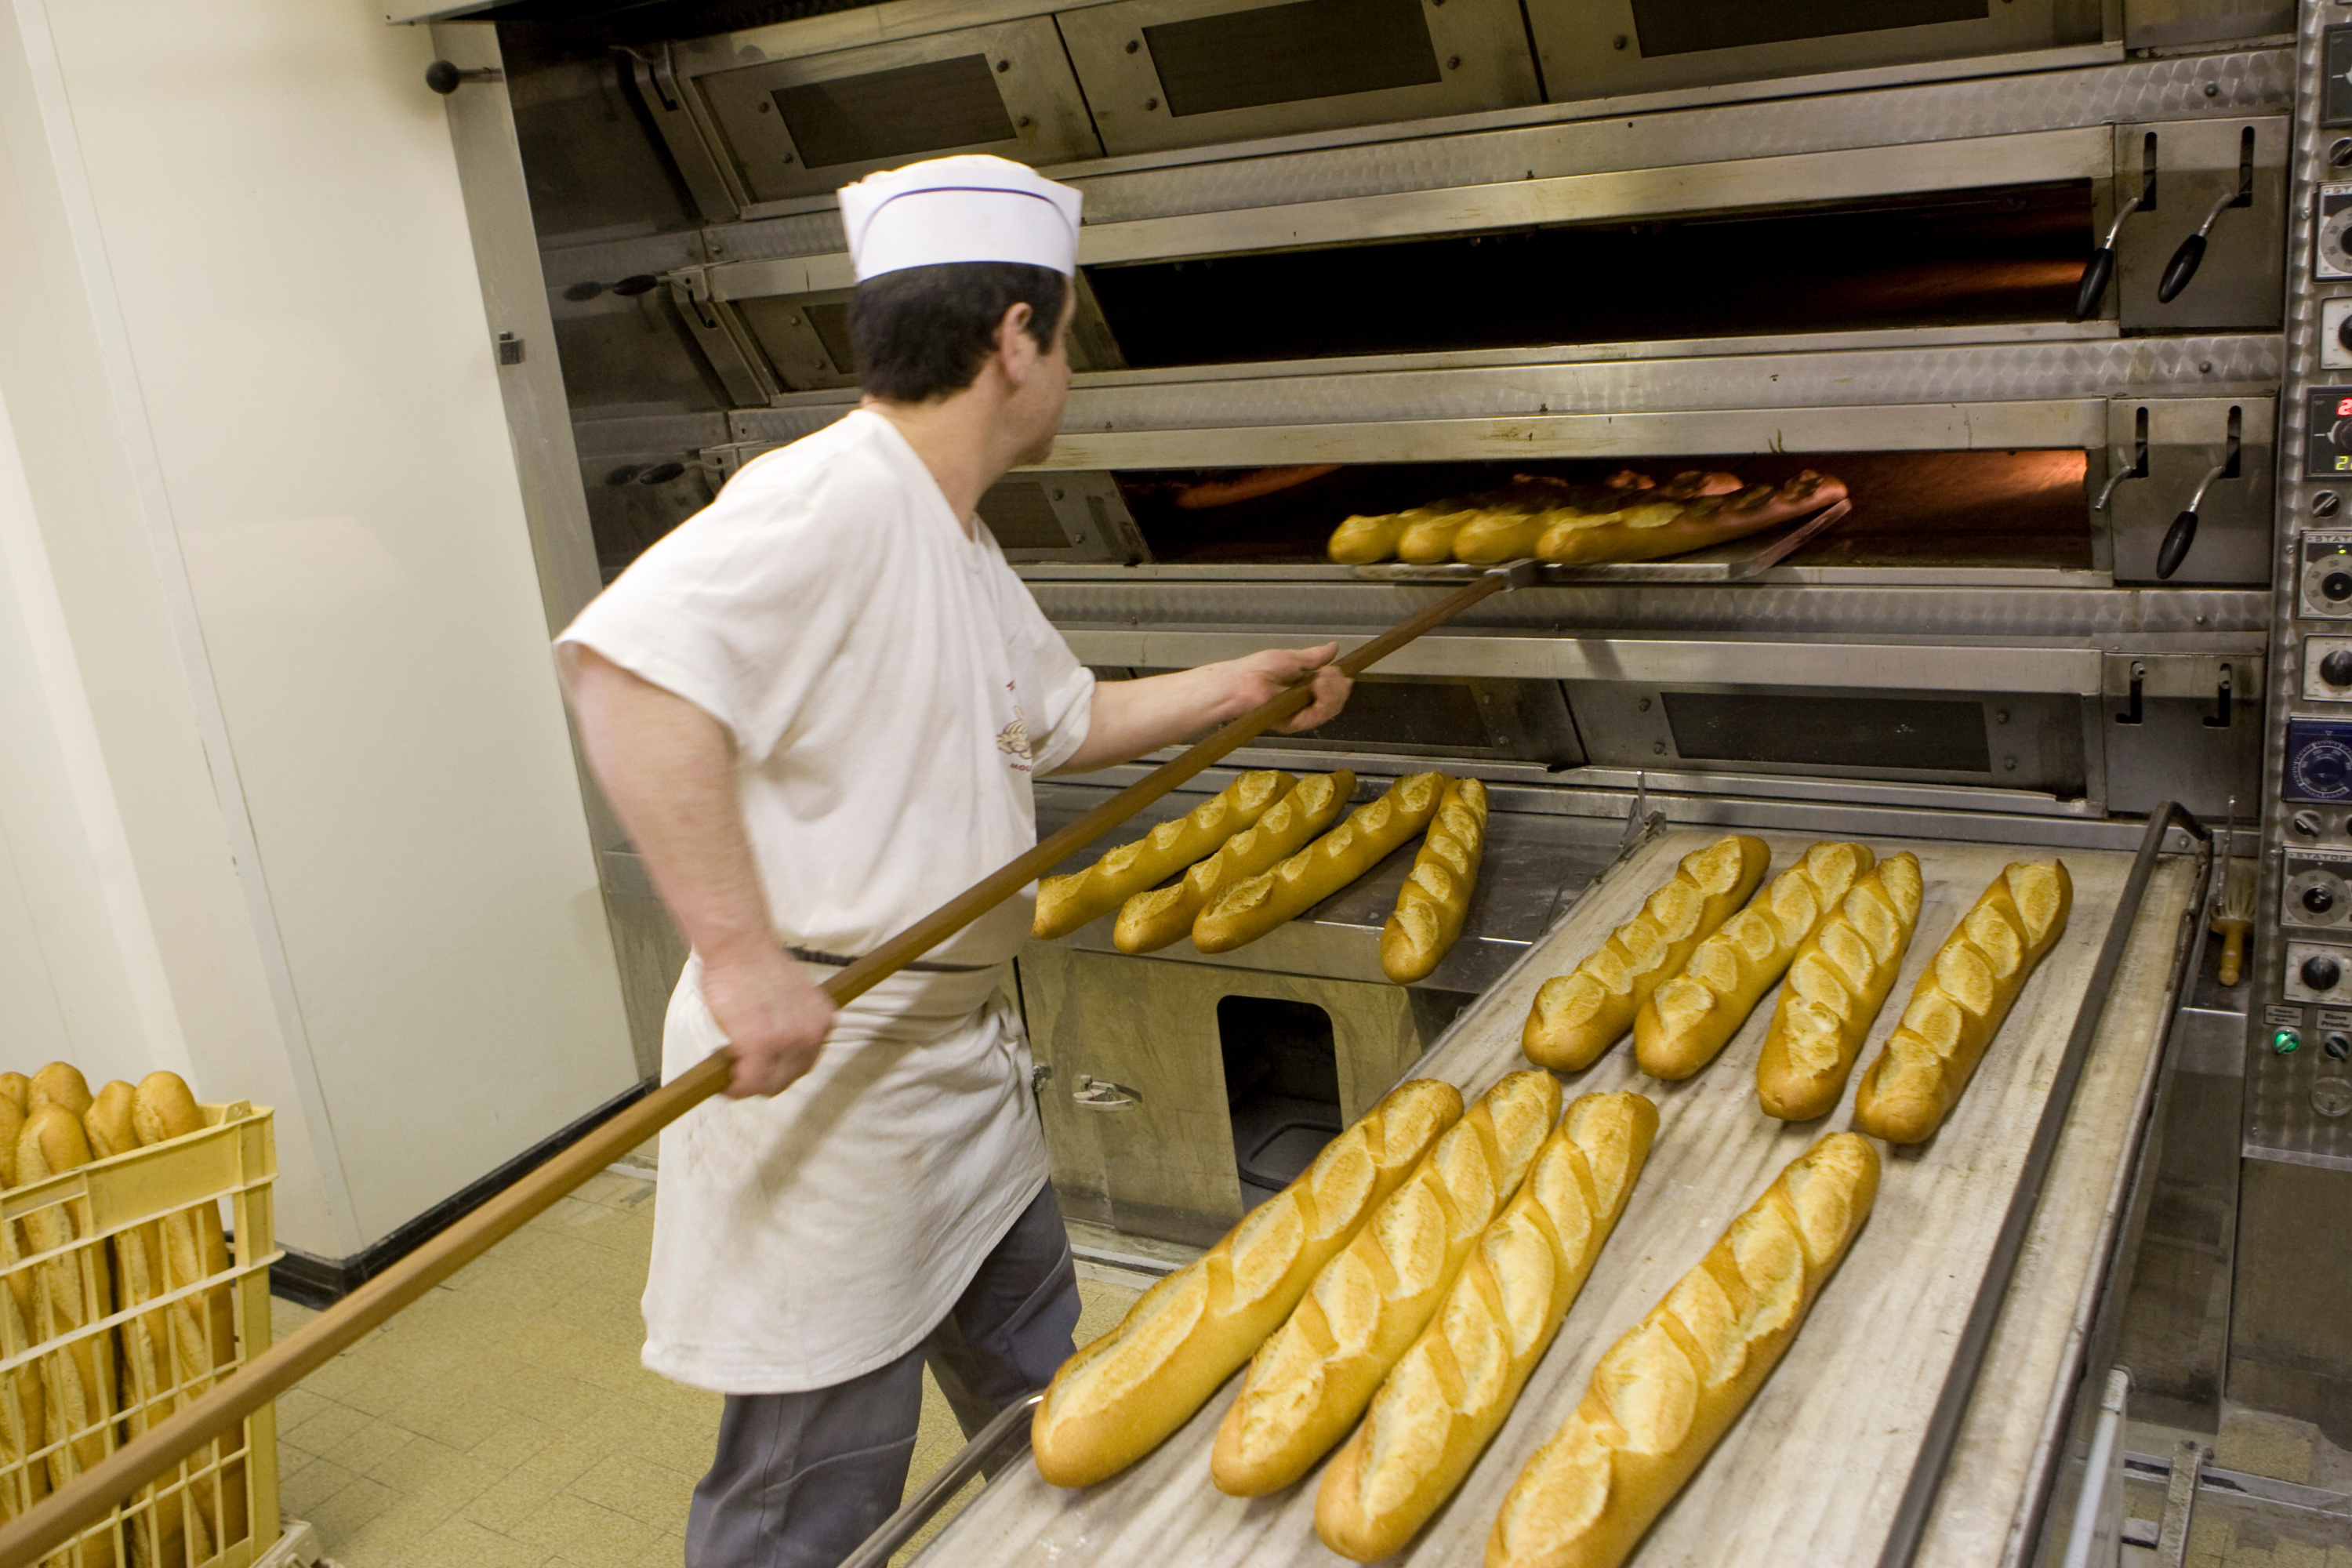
(89, 1496)
(1942, 1436)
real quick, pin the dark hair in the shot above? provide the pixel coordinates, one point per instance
(922, 332)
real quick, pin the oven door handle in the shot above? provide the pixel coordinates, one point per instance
(2182, 535)
(2102, 265)
(2183, 265)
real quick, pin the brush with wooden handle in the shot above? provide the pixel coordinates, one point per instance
(2234, 919)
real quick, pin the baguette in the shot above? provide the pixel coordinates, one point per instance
(1065, 903)
(79, 1378)
(17, 1090)
(1836, 985)
(1452, 1392)
(1958, 1004)
(1684, 1022)
(203, 1327)
(1649, 531)
(1310, 1381)
(60, 1083)
(1579, 1015)
(157, 1533)
(1120, 1397)
(23, 1426)
(1436, 898)
(1666, 1393)
(1363, 540)
(1150, 921)
(1247, 911)
(1427, 537)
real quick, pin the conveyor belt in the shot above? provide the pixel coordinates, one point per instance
(1813, 1471)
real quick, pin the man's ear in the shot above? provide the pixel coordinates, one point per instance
(1015, 349)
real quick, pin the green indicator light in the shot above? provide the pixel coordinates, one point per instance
(2286, 1041)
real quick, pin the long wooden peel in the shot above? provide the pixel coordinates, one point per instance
(88, 1497)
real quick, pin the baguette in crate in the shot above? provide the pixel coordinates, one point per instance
(125, 1296)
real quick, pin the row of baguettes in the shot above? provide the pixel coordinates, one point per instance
(75, 1401)
(1252, 861)
(1629, 517)
(1441, 1283)
(1686, 970)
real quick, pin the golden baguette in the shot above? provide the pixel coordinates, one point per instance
(1684, 1022)
(1065, 903)
(60, 1083)
(78, 1378)
(17, 1090)
(1311, 1380)
(1666, 1393)
(1453, 1390)
(1579, 1015)
(1120, 1397)
(1247, 911)
(22, 1423)
(157, 1532)
(1428, 538)
(1150, 921)
(1958, 1004)
(1837, 983)
(1364, 539)
(1436, 898)
(203, 1338)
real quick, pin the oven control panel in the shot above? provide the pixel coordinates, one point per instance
(2318, 762)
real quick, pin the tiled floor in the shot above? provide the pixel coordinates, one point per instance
(503, 1421)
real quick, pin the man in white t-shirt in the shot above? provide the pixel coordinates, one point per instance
(818, 706)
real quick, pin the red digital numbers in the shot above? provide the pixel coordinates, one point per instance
(2344, 408)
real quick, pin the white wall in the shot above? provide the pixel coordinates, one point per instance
(298, 814)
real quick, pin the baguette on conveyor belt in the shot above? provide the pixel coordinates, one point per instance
(1837, 983)
(1120, 1397)
(1664, 1395)
(1247, 911)
(1065, 903)
(1958, 1004)
(1310, 1381)
(1150, 921)
(1363, 540)
(1452, 1391)
(1686, 1020)
(1436, 898)
(78, 1380)
(1579, 1016)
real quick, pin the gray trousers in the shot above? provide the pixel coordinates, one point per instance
(801, 1479)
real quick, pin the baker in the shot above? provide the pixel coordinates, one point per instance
(818, 707)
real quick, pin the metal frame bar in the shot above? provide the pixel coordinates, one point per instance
(1942, 1437)
(949, 1479)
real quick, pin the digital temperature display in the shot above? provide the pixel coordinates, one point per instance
(2330, 446)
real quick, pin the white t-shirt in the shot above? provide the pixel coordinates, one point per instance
(891, 686)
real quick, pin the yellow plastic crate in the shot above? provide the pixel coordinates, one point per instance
(81, 1372)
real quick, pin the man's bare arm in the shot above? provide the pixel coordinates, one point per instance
(1132, 717)
(668, 768)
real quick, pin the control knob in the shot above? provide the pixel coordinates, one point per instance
(2318, 899)
(2321, 972)
(2305, 823)
(2336, 668)
(2336, 587)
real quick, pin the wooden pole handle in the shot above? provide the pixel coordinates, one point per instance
(88, 1497)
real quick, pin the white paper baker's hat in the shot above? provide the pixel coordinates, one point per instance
(972, 207)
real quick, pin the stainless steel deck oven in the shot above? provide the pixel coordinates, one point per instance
(2049, 283)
